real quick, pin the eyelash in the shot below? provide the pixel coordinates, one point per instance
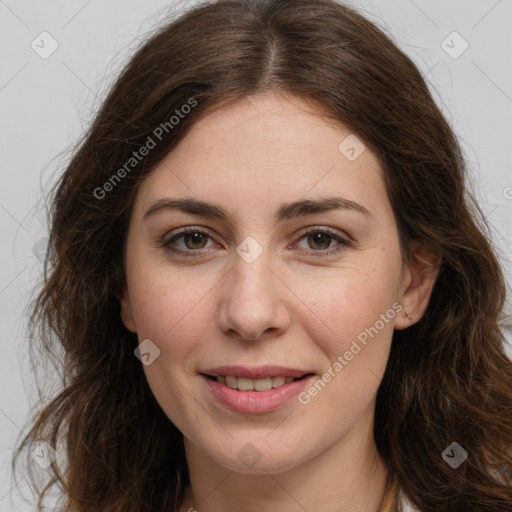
(342, 242)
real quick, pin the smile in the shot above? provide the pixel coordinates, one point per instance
(256, 391)
(245, 384)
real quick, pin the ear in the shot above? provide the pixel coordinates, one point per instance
(126, 310)
(418, 278)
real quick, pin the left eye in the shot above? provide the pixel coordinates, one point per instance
(318, 240)
(194, 240)
(321, 239)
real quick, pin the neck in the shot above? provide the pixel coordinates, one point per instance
(348, 477)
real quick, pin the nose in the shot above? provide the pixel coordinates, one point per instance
(253, 300)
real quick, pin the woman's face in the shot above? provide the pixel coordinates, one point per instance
(257, 299)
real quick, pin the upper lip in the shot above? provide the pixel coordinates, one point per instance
(259, 372)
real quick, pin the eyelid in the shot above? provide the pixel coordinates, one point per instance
(323, 229)
(343, 240)
(176, 233)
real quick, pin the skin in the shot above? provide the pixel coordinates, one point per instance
(291, 306)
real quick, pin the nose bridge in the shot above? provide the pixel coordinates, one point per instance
(252, 299)
(251, 269)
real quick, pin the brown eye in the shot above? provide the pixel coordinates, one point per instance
(188, 242)
(319, 242)
(195, 240)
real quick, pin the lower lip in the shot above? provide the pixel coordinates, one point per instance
(255, 402)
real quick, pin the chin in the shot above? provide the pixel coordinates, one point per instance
(256, 457)
(266, 465)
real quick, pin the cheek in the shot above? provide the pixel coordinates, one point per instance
(350, 319)
(163, 296)
(354, 343)
(170, 311)
(341, 304)
(169, 307)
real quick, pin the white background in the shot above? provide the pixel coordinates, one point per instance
(46, 103)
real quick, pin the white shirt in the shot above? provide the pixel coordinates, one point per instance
(404, 504)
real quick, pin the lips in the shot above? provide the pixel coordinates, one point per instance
(255, 390)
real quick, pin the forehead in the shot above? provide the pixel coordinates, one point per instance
(269, 127)
(262, 150)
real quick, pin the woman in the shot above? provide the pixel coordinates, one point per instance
(216, 358)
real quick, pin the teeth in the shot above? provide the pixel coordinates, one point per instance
(231, 382)
(244, 384)
(278, 381)
(263, 384)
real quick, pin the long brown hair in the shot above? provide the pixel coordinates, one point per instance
(448, 378)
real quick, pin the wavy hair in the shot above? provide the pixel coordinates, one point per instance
(448, 377)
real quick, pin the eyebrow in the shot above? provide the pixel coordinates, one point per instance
(285, 211)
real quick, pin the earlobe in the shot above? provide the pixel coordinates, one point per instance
(418, 282)
(126, 311)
